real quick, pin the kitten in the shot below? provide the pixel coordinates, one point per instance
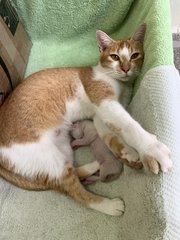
(84, 133)
(36, 118)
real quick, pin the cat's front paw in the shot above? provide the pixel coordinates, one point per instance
(129, 154)
(137, 165)
(130, 157)
(157, 157)
(122, 151)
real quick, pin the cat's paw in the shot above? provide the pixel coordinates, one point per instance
(113, 207)
(131, 158)
(157, 157)
(116, 207)
(122, 151)
(129, 154)
(136, 165)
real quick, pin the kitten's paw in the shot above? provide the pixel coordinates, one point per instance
(157, 157)
(75, 144)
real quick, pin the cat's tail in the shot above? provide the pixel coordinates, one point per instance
(21, 182)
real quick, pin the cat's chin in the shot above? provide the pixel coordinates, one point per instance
(125, 78)
(128, 77)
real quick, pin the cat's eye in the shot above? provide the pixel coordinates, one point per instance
(115, 57)
(134, 55)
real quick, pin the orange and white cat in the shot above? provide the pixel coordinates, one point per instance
(35, 151)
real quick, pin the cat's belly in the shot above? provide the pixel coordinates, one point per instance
(41, 157)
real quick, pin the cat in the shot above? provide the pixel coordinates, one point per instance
(84, 133)
(35, 119)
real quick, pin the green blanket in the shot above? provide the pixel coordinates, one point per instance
(63, 34)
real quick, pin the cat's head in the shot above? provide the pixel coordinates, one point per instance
(122, 59)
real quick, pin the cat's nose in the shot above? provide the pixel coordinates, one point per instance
(125, 68)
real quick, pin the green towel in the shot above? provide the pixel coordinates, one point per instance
(63, 32)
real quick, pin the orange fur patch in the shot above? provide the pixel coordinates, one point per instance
(7, 172)
(112, 142)
(40, 100)
(71, 186)
(113, 128)
(96, 90)
(151, 164)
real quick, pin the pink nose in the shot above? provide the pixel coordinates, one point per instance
(125, 68)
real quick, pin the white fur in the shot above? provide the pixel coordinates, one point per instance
(114, 64)
(80, 108)
(114, 207)
(40, 157)
(112, 112)
(125, 53)
(132, 133)
(49, 154)
(127, 152)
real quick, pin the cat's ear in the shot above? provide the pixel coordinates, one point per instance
(103, 40)
(140, 33)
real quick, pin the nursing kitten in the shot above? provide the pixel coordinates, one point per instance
(35, 120)
(84, 133)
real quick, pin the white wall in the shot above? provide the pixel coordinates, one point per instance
(175, 12)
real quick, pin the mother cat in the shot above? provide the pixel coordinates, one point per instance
(35, 151)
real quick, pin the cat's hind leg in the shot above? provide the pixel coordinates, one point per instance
(43, 164)
(71, 186)
(69, 183)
